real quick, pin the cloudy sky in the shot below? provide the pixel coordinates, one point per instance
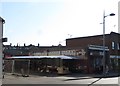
(50, 22)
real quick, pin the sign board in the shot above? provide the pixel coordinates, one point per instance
(96, 47)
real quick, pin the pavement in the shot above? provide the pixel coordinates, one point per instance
(86, 79)
(65, 75)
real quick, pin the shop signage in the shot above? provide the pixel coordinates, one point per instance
(96, 47)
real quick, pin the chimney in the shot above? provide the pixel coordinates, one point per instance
(10, 44)
(24, 44)
(17, 44)
(38, 44)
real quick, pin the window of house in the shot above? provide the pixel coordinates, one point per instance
(113, 45)
(118, 46)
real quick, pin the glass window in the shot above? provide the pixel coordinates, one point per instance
(113, 45)
(118, 46)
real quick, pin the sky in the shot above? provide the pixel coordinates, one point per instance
(51, 22)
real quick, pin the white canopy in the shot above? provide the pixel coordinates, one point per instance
(33, 57)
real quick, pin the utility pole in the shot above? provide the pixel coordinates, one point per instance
(104, 58)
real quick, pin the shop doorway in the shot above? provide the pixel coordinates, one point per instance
(96, 64)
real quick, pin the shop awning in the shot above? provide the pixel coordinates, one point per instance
(40, 57)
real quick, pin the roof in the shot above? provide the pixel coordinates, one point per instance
(40, 57)
(93, 36)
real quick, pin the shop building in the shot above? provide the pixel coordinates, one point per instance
(94, 47)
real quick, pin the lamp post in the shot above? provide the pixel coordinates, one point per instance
(104, 59)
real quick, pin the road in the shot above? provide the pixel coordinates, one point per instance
(89, 81)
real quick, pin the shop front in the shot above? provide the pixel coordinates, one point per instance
(26, 65)
(95, 59)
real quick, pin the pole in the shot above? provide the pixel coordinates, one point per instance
(104, 43)
(13, 67)
(28, 67)
(59, 48)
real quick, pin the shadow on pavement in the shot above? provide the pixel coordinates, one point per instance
(77, 79)
(94, 82)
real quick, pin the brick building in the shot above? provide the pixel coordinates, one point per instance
(94, 48)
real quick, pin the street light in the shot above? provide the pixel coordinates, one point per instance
(104, 62)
